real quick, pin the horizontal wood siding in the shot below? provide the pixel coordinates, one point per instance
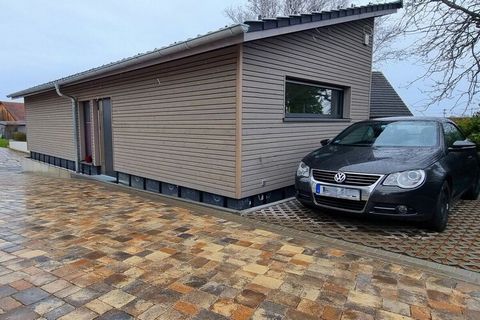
(172, 122)
(49, 125)
(272, 148)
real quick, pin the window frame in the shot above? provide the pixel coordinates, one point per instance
(337, 116)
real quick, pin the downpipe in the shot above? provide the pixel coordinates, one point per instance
(74, 101)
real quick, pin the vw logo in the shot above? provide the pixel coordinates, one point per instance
(339, 177)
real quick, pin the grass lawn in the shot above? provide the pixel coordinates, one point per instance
(3, 143)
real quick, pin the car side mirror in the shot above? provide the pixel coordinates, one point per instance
(461, 145)
(324, 142)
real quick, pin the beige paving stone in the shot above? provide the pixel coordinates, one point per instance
(310, 307)
(267, 282)
(157, 256)
(98, 306)
(291, 249)
(80, 314)
(386, 315)
(44, 306)
(396, 307)
(255, 268)
(67, 291)
(117, 298)
(364, 299)
(153, 313)
(225, 307)
(28, 254)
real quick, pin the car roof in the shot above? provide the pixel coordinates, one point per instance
(413, 118)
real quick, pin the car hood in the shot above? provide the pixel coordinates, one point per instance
(381, 160)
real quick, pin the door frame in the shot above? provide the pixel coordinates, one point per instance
(99, 134)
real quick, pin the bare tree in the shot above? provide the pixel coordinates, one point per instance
(273, 8)
(444, 36)
(386, 34)
(254, 9)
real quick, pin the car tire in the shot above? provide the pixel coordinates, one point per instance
(474, 190)
(308, 205)
(439, 220)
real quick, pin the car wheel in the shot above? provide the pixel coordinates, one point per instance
(308, 205)
(440, 218)
(474, 190)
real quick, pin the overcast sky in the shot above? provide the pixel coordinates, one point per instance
(43, 40)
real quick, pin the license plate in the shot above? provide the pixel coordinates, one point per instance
(337, 192)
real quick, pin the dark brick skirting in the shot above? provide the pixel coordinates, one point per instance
(85, 168)
(202, 196)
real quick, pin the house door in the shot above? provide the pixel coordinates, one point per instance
(106, 150)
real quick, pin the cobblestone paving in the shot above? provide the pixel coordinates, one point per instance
(459, 245)
(10, 160)
(73, 249)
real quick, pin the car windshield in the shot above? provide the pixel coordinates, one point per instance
(390, 134)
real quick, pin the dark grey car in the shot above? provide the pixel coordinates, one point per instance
(408, 168)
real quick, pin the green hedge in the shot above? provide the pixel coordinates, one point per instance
(3, 143)
(470, 127)
(19, 136)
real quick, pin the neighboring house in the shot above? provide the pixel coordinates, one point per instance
(223, 118)
(12, 119)
(384, 100)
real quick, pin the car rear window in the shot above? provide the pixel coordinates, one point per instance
(390, 134)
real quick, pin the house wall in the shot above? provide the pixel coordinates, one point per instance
(271, 147)
(49, 125)
(173, 122)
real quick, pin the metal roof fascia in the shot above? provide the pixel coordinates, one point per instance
(140, 61)
(250, 36)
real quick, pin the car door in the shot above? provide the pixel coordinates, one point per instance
(462, 164)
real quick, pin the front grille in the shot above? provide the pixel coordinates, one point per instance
(341, 203)
(352, 179)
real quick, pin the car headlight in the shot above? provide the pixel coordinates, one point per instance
(303, 170)
(406, 180)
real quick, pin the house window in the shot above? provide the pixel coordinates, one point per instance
(310, 100)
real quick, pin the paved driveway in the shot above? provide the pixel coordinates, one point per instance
(74, 249)
(10, 161)
(458, 246)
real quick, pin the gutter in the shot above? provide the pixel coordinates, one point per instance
(132, 62)
(74, 101)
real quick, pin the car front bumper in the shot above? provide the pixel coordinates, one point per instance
(376, 200)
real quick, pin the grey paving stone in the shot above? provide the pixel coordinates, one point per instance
(30, 295)
(115, 315)
(22, 313)
(6, 291)
(59, 312)
(82, 297)
(209, 315)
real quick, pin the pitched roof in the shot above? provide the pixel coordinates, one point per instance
(239, 33)
(16, 109)
(384, 100)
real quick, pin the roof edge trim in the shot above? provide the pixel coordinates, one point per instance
(250, 36)
(138, 61)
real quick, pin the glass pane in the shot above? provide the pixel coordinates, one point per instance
(391, 134)
(451, 134)
(309, 99)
